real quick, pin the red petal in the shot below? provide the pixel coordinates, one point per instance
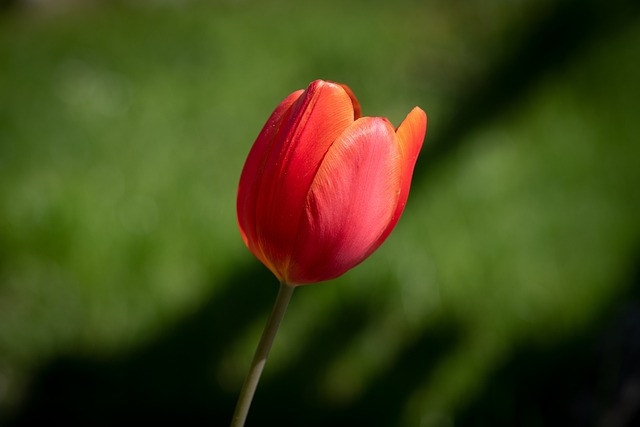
(315, 120)
(357, 111)
(253, 171)
(350, 202)
(411, 135)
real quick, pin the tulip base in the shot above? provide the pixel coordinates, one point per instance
(260, 357)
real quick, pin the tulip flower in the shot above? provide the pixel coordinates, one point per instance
(320, 191)
(323, 187)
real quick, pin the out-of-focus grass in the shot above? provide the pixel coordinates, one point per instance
(123, 130)
(532, 231)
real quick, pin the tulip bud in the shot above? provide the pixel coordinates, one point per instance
(323, 187)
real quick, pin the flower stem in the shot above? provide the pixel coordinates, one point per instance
(262, 352)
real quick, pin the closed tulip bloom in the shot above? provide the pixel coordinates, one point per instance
(323, 187)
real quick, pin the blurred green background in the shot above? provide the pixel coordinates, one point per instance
(509, 293)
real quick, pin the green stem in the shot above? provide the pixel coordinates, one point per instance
(262, 352)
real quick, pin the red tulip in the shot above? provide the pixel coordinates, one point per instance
(323, 187)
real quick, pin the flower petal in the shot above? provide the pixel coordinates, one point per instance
(411, 135)
(351, 201)
(253, 172)
(315, 120)
(357, 110)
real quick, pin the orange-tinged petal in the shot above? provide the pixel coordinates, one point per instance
(357, 110)
(313, 123)
(411, 133)
(350, 202)
(410, 136)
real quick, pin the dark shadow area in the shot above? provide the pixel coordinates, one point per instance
(7, 5)
(292, 401)
(551, 41)
(385, 400)
(170, 381)
(591, 379)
